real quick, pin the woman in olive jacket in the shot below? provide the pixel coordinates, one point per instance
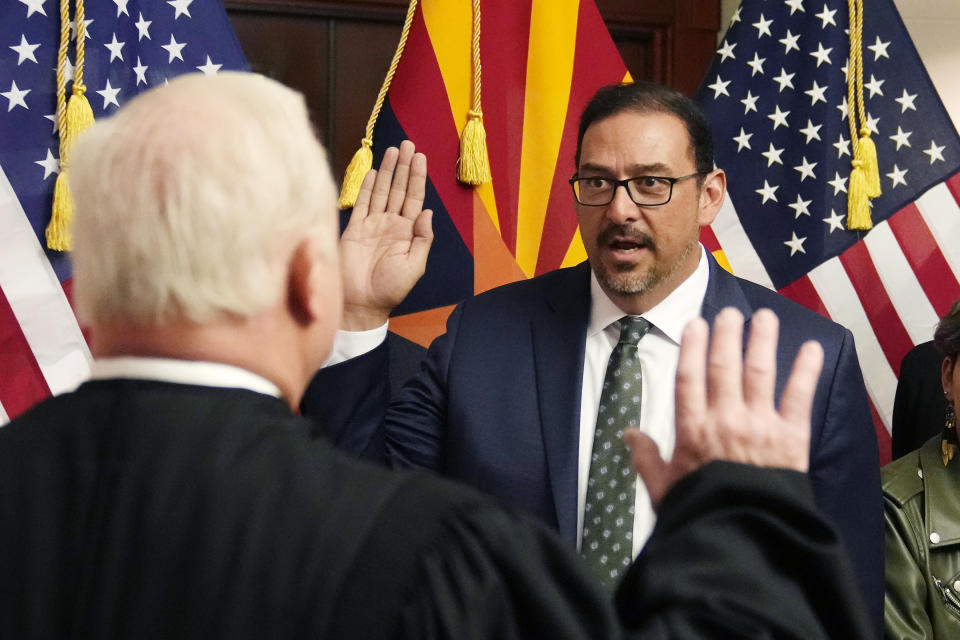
(922, 507)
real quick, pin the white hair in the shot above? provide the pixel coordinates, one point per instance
(191, 199)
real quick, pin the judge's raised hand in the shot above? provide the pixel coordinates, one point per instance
(725, 403)
(383, 250)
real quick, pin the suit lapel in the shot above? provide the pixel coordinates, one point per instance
(723, 290)
(559, 335)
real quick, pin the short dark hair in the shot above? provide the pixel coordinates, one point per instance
(947, 335)
(645, 97)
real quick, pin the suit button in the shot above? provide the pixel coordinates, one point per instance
(956, 585)
(934, 537)
(920, 473)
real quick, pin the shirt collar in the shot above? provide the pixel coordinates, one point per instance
(200, 373)
(669, 317)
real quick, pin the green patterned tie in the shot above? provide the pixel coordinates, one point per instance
(607, 542)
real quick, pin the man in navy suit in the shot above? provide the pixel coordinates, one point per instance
(507, 399)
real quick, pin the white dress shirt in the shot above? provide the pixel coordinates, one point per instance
(195, 372)
(659, 351)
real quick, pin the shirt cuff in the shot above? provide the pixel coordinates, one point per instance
(350, 344)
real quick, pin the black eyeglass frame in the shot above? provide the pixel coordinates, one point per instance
(623, 183)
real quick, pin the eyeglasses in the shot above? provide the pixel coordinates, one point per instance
(646, 191)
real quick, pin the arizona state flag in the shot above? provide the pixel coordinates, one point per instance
(540, 62)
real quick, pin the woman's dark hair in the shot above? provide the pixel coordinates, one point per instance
(645, 97)
(947, 335)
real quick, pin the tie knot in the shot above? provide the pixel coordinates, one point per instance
(632, 328)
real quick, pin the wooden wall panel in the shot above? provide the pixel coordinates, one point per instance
(337, 53)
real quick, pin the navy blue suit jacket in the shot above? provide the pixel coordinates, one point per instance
(497, 405)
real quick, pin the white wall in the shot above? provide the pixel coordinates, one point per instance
(934, 26)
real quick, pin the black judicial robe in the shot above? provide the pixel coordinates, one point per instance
(141, 509)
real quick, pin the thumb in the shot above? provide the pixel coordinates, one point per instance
(648, 463)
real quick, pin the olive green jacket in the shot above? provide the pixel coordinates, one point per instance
(922, 511)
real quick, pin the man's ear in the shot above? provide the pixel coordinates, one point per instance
(712, 193)
(306, 296)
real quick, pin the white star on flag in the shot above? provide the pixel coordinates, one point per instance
(50, 164)
(109, 95)
(826, 17)
(822, 55)
(879, 49)
(935, 152)
(726, 51)
(902, 138)
(209, 68)
(115, 48)
(143, 28)
(34, 6)
(906, 101)
(834, 222)
(756, 64)
(795, 244)
(25, 50)
(181, 7)
(806, 169)
(763, 27)
(768, 192)
(174, 48)
(897, 176)
(773, 155)
(141, 71)
(743, 140)
(719, 87)
(838, 183)
(16, 96)
(789, 42)
(811, 131)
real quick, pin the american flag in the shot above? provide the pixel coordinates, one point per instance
(131, 45)
(776, 98)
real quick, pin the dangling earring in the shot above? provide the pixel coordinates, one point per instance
(948, 446)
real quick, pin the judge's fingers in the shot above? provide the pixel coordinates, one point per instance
(725, 362)
(422, 239)
(691, 396)
(647, 462)
(760, 362)
(398, 187)
(797, 401)
(381, 186)
(362, 207)
(416, 187)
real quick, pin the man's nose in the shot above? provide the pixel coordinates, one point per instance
(622, 209)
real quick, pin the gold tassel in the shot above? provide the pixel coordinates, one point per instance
(473, 166)
(867, 154)
(858, 202)
(865, 169)
(71, 122)
(362, 160)
(58, 234)
(360, 164)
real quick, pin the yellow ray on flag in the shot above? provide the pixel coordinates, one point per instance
(553, 37)
(450, 25)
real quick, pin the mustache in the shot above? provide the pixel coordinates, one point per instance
(625, 232)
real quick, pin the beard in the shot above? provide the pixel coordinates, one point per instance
(623, 280)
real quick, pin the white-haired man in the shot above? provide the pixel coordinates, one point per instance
(176, 495)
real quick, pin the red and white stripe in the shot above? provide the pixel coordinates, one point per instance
(889, 290)
(42, 350)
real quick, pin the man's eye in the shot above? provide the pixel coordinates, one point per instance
(595, 183)
(649, 182)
